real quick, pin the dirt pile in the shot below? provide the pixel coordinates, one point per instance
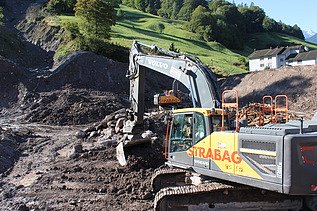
(298, 83)
(8, 150)
(86, 70)
(11, 77)
(83, 89)
(72, 107)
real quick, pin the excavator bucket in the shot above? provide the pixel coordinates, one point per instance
(120, 154)
(127, 145)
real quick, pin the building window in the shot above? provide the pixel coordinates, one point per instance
(299, 61)
(281, 60)
(261, 59)
(261, 65)
(270, 58)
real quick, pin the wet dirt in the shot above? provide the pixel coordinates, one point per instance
(53, 174)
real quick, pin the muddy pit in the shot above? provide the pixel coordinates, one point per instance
(45, 164)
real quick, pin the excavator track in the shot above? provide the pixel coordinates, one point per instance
(168, 177)
(218, 196)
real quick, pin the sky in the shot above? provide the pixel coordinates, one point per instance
(291, 12)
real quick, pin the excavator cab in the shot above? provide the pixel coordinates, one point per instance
(190, 126)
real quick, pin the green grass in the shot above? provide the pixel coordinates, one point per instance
(266, 40)
(136, 25)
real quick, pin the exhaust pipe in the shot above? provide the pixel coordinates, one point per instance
(301, 129)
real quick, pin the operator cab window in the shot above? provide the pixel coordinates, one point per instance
(186, 130)
(200, 129)
(181, 132)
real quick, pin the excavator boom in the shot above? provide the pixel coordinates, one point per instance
(183, 68)
(196, 77)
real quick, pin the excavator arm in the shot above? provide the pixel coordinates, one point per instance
(197, 78)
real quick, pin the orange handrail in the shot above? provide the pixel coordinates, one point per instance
(266, 109)
(278, 109)
(230, 105)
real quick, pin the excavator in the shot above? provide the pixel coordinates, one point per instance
(213, 162)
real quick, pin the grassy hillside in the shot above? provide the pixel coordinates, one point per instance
(144, 27)
(141, 26)
(266, 40)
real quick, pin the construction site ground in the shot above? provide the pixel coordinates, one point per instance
(59, 126)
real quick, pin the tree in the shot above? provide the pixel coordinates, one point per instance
(128, 3)
(297, 32)
(140, 5)
(200, 19)
(170, 8)
(230, 12)
(157, 26)
(188, 7)
(269, 24)
(153, 6)
(253, 17)
(96, 17)
(61, 6)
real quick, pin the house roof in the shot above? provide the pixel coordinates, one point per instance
(306, 55)
(294, 47)
(266, 53)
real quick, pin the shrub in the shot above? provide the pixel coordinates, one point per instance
(61, 6)
(157, 26)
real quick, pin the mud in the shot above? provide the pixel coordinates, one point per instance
(50, 177)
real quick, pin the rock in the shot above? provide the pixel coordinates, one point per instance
(109, 132)
(107, 119)
(119, 116)
(77, 169)
(111, 124)
(92, 134)
(120, 192)
(122, 110)
(23, 207)
(102, 190)
(90, 129)
(147, 134)
(78, 148)
(147, 195)
(73, 155)
(73, 202)
(81, 134)
(108, 142)
(119, 124)
(75, 152)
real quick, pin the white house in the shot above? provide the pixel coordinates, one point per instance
(266, 59)
(305, 58)
(274, 57)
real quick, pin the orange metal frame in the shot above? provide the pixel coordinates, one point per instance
(266, 109)
(230, 105)
(281, 109)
